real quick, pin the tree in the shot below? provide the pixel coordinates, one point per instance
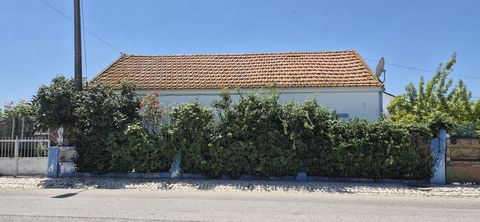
(436, 102)
(100, 113)
(56, 103)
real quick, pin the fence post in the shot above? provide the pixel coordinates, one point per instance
(439, 147)
(53, 156)
(16, 154)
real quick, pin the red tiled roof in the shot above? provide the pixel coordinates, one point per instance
(284, 70)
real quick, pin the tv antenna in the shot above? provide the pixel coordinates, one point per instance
(380, 70)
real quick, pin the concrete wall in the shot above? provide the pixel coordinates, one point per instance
(8, 166)
(26, 166)
(360, 102)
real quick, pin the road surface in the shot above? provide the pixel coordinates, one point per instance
(143, 205)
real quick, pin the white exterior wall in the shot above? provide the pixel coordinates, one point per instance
(357, 102)
(387, 99)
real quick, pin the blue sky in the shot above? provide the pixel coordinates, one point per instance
(36, 42)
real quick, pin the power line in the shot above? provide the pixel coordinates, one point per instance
(409, 67)
(425, 70)
(83, 26)
(468, 77)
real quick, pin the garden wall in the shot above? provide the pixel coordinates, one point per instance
(463, 160)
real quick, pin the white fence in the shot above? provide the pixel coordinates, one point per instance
(28, 156)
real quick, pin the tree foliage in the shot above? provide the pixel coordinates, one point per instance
(56, 103)
(89, 117)
(437, 102)
(100, 112)
(24, 114)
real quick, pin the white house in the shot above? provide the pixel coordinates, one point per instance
(340, 80)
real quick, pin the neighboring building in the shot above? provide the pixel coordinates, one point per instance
(340, 80)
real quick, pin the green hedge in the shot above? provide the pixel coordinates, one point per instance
(258, 136)
(383, 149)
(99, 112)
(135, 149)
(255, 135)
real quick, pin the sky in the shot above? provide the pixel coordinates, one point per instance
(36, 41)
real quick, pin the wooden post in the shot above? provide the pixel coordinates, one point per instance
(78, 44)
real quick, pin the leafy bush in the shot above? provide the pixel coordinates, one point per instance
(56, 103)
(136, 150)
(258, 136)
(465, 130)
(101, 112)
(25, 116)
(152, 113)
(311, 132)
(383, 149)
(251, 137)
(255, 135)
(191, 134)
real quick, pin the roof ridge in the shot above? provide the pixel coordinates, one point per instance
(243, 54)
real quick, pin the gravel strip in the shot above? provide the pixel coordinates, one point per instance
(238, 186)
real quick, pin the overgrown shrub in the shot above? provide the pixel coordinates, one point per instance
(258, 136)
(101, 112)
(252, 138)
(465, 130)
(24, 115)
(135, 149)
(383, 149)
(152, 113)
(191, 134)
(311, 132)
(255, 135)
(56, 103)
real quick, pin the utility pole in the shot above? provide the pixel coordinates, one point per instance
(78, 45)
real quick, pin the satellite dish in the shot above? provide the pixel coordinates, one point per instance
(380, 69)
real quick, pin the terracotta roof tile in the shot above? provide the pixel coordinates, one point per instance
(298, 69)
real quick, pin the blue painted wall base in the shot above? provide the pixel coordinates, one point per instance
(52, 170)
(439, 148)
(302, 176)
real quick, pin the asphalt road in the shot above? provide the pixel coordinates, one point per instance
(135, 205)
